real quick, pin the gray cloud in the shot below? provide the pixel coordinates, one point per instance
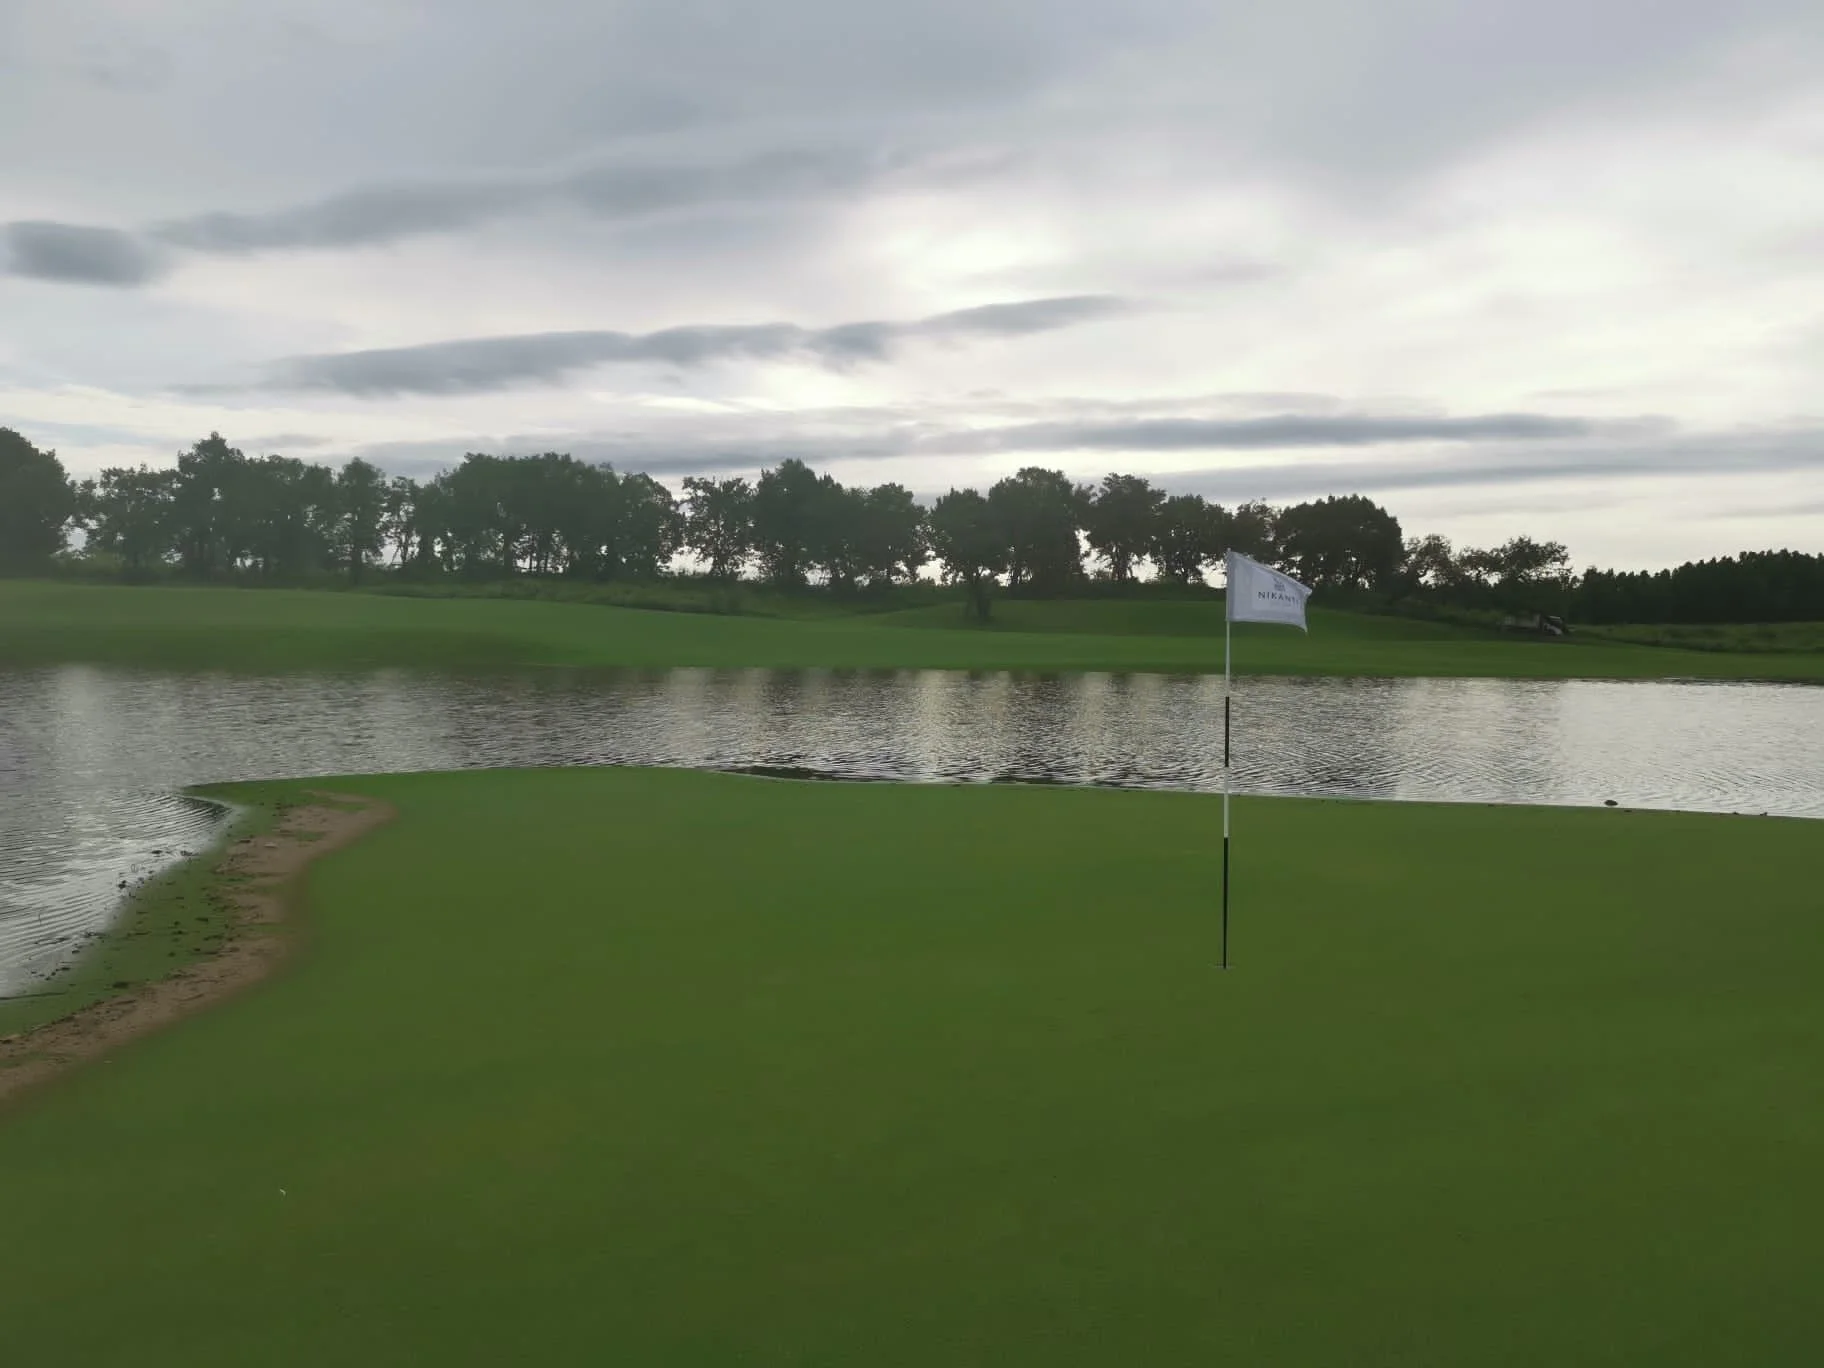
(357, 218)
(1244, 434)
(1370, 102)
(482, 364)
(41, 250)
(1022, 317)
(1400, 89)
(1730, 458)
(1427, 200)
(380, 214)
(1494, 449)
(129, 67)
(387, 213)
(285, 442)
(1727, 456)
(1785, 508)
(1391, 88)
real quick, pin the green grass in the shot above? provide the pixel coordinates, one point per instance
(681, 594)
(598, 1066)
(1754, 637)
(1199, 618)
(44, 623)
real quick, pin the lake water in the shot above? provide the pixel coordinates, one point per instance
(91, 759)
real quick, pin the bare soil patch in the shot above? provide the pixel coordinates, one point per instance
(258, 877)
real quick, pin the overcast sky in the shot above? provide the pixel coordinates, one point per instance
(1553, 266)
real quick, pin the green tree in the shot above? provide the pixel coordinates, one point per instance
(786, 506)
(537, 494)
(650, 527)
(1189, 535)
(970, 541)
(200, 505)
(279, 519)
(399, 522)
(1755, 586)
(361, 516)
(719, 523)
(37, 504)
(1340, 542)
(833, 545)
(1253, 530)
(1040, 511)
(587, 520)
(477, 535)
(433, 516)
(1122, 522)
(128, 513)
(1534, 576)
(1476, 570)
(891, 539)
(1430, 563)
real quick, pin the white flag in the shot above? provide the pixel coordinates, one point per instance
(1259, 593)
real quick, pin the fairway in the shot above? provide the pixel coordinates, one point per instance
(45, 623)
(662, 1067)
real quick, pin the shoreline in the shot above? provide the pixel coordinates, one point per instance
(257, 879)
(1122, 670)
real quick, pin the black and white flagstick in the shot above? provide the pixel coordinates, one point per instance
(1276, 598)
(1228, 632)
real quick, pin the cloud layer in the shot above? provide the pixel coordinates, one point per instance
(482, 364)
(378, 215)
(1441, 251)
(1478, 448)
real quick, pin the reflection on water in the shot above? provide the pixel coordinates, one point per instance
(90, 759)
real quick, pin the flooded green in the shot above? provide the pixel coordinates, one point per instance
(92, 759)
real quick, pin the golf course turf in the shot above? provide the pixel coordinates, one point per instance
(662, 1067)
(45, 623)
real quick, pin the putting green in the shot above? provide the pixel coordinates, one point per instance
(652, 1067)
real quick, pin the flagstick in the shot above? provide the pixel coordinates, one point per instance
(1227, 632)
(1269, 597)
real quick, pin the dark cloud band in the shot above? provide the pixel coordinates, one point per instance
(77, 255)
(482, 364)
(1484, 450)
(1299, 430)
(377, 215)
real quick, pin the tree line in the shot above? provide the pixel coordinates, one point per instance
(220, 514)
(1756, 586)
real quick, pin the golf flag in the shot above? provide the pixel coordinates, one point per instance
(1259, 593)
(1256, 593)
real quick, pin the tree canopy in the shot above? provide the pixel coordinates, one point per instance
(971, 542)
(1039, 514)
(36, 504)
(1346, 542)
(1122, 522)
(220, 513)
